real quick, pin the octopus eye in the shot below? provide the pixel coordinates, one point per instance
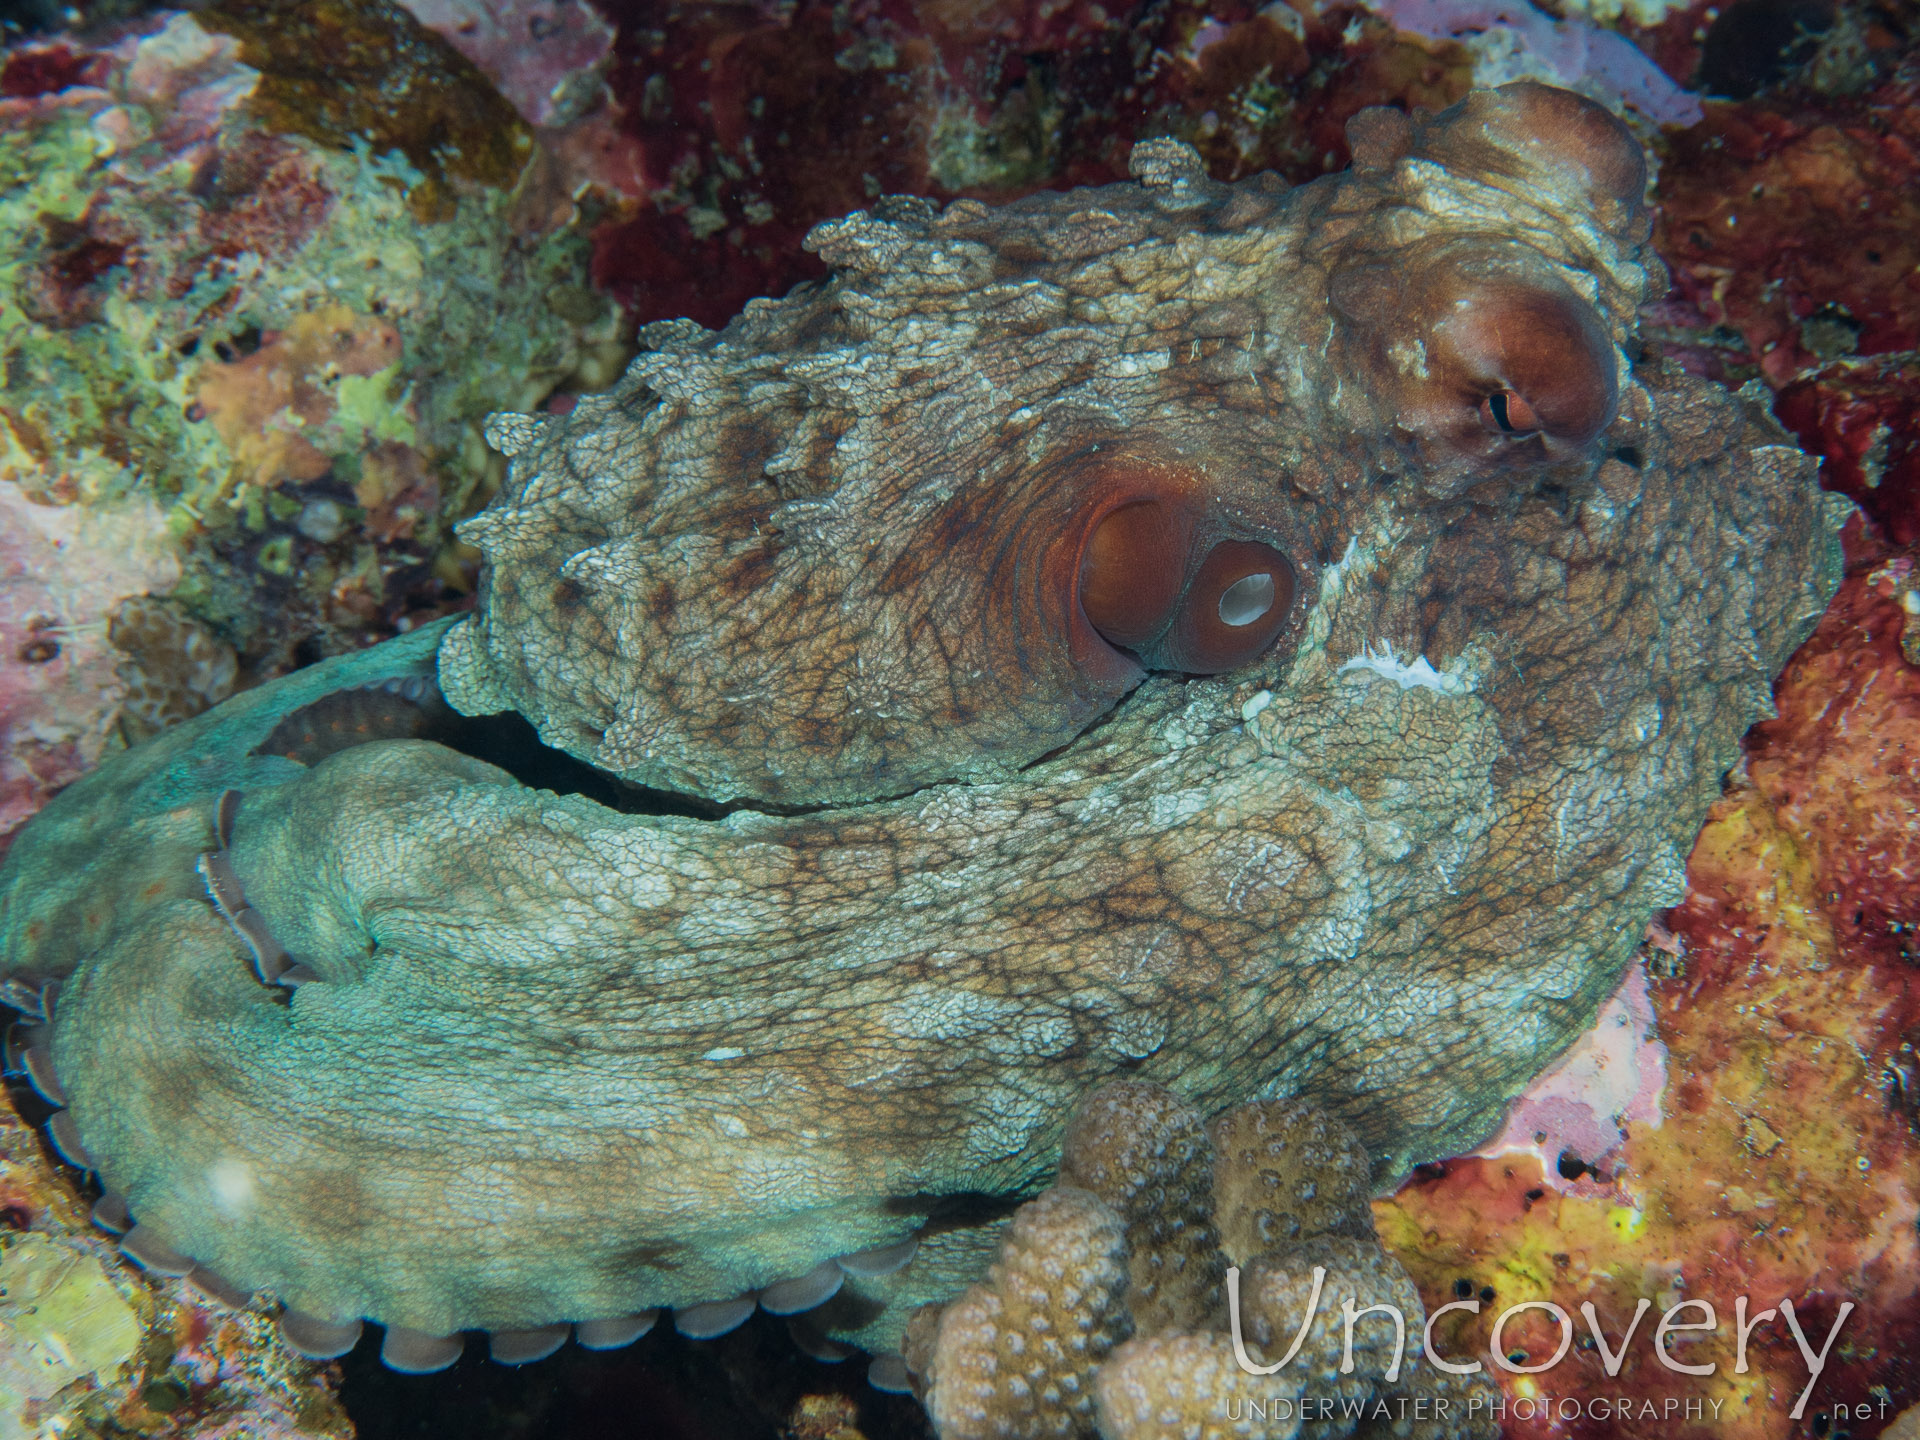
(1542, 352)
(1507, 412)
(1236, 606)
(1141, 592)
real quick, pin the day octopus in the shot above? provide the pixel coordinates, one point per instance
(1264, 641)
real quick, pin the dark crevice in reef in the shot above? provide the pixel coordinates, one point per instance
(751, 1384)
(512, 743)
(962, 1210)
(413, 710)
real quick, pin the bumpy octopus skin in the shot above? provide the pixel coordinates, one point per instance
(854, 560)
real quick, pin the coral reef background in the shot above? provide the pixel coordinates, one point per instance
(264, 269)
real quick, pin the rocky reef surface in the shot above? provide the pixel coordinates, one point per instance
(250, 334)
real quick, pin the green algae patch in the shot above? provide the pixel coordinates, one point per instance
(341, 70)
(247, 323)
(62, 1319)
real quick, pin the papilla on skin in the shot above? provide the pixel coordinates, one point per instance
(1610, 1357)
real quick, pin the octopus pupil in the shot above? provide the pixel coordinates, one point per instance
(1497, 402)
(1247, 599)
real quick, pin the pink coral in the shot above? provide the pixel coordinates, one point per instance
(543, 55)
(1575, 1115)
(62, 568)
(1568, 52)
(175, 85)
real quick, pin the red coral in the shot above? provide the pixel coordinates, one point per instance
(1674, 44)
(1783, 1165)
(757, 121)
(60, 289)
(1792, 210)
(262, 197)
(1838, 771)
(79, 264)
(1864, 418)
(1841, 766)
(29, 73)
(760, 134)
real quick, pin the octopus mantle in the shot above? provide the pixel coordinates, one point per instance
(372, 1001)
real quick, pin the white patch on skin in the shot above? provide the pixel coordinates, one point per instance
(1346, 558)
(1333, 583)
(1165, 810)
(1256, 703)
(231, 1183)
(1644, 721)
(1418, 675)
(1409, 357)
(723, 1052)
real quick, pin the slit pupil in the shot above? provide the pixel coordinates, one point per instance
(1497, 402)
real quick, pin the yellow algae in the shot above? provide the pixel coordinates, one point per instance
(61, 1319)
(1779, 1157)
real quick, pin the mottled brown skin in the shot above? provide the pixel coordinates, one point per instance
(838, 550)
(563, 1061)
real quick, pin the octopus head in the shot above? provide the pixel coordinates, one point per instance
(934, 519)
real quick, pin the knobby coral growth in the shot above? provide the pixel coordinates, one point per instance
(1076, 1329)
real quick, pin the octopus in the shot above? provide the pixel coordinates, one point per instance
(1262, 642)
